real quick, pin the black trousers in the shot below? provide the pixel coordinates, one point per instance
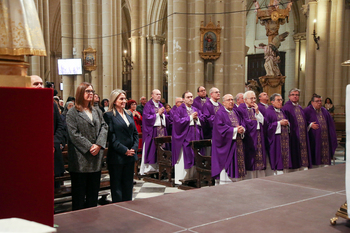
(85, 188)
(122, 181)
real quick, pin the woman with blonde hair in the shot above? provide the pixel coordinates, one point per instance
(123, 143)
(87, 139)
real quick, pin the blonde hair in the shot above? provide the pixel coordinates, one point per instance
(114, 95)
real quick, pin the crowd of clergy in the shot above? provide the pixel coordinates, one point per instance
(250, 138)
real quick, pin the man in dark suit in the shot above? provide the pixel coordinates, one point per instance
(59, 133)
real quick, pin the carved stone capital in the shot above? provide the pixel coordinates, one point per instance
(158, 40)
(299, 36)
(305, 10)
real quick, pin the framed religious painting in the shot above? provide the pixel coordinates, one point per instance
(210, 41)
(89, 61)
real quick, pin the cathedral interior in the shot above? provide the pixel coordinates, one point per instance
(141, 45)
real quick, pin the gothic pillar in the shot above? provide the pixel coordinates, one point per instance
(198, 61)
(310, 53)
(322, 30)
(158, 63)
(107, 59)
(143, 54)
(67, 44)
(171, 97)
(92, 25)
(219, 63)
(135, 53)
(150, 67)
(78, 32)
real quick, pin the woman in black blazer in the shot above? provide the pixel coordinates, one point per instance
(123, 144)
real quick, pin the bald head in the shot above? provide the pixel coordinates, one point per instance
(36, 81)
(178, 101)
(156, 95)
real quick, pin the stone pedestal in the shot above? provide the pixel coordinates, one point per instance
(13, 71)
(272, 84)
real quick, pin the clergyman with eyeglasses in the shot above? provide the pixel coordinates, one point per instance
(322, 135)
(278, 137)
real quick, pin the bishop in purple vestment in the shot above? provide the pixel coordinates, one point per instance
(227, 158)
(254, 144)
(201, 99)
(263, 102)
(299, 138)
(186, 128)
(178, 102)
(153, 125)
(278, 136)
(208, 112)
(239, 100)
(322, 135)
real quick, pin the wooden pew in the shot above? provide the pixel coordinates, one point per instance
(340, 128)
(166, 168)
(203, 162)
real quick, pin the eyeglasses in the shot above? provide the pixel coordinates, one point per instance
(294, 95)
(279, 100)
(217, 92)
(252, 98)
(90, 91)
(202, 90)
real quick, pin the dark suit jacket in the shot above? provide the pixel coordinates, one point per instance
(121, 138)
(59, 137)
(82, 134)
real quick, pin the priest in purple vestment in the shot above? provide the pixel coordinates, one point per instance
(153, 125)
(298, 137)
(254, 144)
(278, 136)
(239, 100)
(201, 99)
(322, 135)
(186, 128)
(263, 102)
(178, 102)
(208, 112)
(227, 159)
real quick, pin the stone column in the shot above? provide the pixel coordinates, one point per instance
(92, 25)
(107, 59)
(143, 54)
(297, 60)
(339, 98)
(135, 54)
(310, 53)
(198, 61)
(179, 47)
(158, 63)
(219, 63)
(170, 42)
(117, 45)
(78, 32)
(67, 45)
(46, 34)
(150, 61)
(322, 29)
(302, 71)
(346, 69)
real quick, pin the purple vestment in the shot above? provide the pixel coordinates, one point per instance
(262, 108)
(279, 150)
(298, 137)
(149, 131)
(226, 152)
(208, 116)
(323, 141)
(171, 119)
(183, 134)
(254, 144)
(198, 102)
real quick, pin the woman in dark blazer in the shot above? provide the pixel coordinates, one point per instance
(87, 139)
(123, 142)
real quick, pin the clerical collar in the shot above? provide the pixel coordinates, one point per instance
(316, 109)
(156, 104)
(228, 110)
(277, 110)
(247, 107)
(214, 103)
(188, 108)
(238, 105)
(297, 104)
(204, 98)
(264, 104)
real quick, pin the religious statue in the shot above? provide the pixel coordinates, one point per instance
(272, 57)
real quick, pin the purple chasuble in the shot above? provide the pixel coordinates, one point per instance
(208, 116)
(279, 150)
(323, 141)
(183, 134)
(198, 102)
(171, 119)
(262, 108)
(254, 146)
(227, 154)
(149, 131)
(298, 137)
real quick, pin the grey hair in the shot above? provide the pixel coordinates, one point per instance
(237, 96)
(212, 90)
(293, 90)
(114, 95)
(245, 95)
(225, 97)
(273, 96)
(142, 97)
(154, 90)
